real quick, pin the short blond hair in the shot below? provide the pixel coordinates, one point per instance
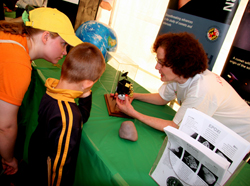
(83, 62)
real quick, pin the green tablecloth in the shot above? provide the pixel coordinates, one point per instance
(104, 158)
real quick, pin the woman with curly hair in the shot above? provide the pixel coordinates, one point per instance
(182, 64)
(43, 33)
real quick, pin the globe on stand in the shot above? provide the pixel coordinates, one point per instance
(99, 34)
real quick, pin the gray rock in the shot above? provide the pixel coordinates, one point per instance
(128, 131)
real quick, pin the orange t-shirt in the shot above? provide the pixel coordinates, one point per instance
(15, 69)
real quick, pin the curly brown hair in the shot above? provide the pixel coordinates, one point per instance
(183, 53)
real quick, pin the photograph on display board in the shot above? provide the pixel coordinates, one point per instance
(220, 11)
(237, 67)
(209, 22)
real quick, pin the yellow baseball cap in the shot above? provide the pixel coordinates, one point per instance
(51, 19)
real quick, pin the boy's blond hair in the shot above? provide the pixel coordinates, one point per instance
(83, 62)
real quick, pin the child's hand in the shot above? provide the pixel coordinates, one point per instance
(86, 93)
(113, 95)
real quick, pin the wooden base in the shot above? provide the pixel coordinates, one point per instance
(112, 107)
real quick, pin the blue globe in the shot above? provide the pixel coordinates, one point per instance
(99, 34)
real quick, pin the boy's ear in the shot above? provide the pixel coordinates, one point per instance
(87, 83)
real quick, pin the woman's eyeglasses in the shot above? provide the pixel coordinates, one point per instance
(159, 61)
(162, 63)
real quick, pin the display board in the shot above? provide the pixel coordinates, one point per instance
(208, 21)
(237, 67)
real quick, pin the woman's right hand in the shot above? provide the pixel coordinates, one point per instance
(11, 167)
(125, 105)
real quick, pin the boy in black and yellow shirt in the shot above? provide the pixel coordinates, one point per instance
(58, 133)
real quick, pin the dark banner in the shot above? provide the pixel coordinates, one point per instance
(237, 67)
(209, 21)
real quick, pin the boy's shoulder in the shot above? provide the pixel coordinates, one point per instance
(47, 102)
(47, 99)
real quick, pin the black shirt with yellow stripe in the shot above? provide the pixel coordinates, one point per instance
(57, 135)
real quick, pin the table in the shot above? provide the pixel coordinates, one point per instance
(104, 158)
